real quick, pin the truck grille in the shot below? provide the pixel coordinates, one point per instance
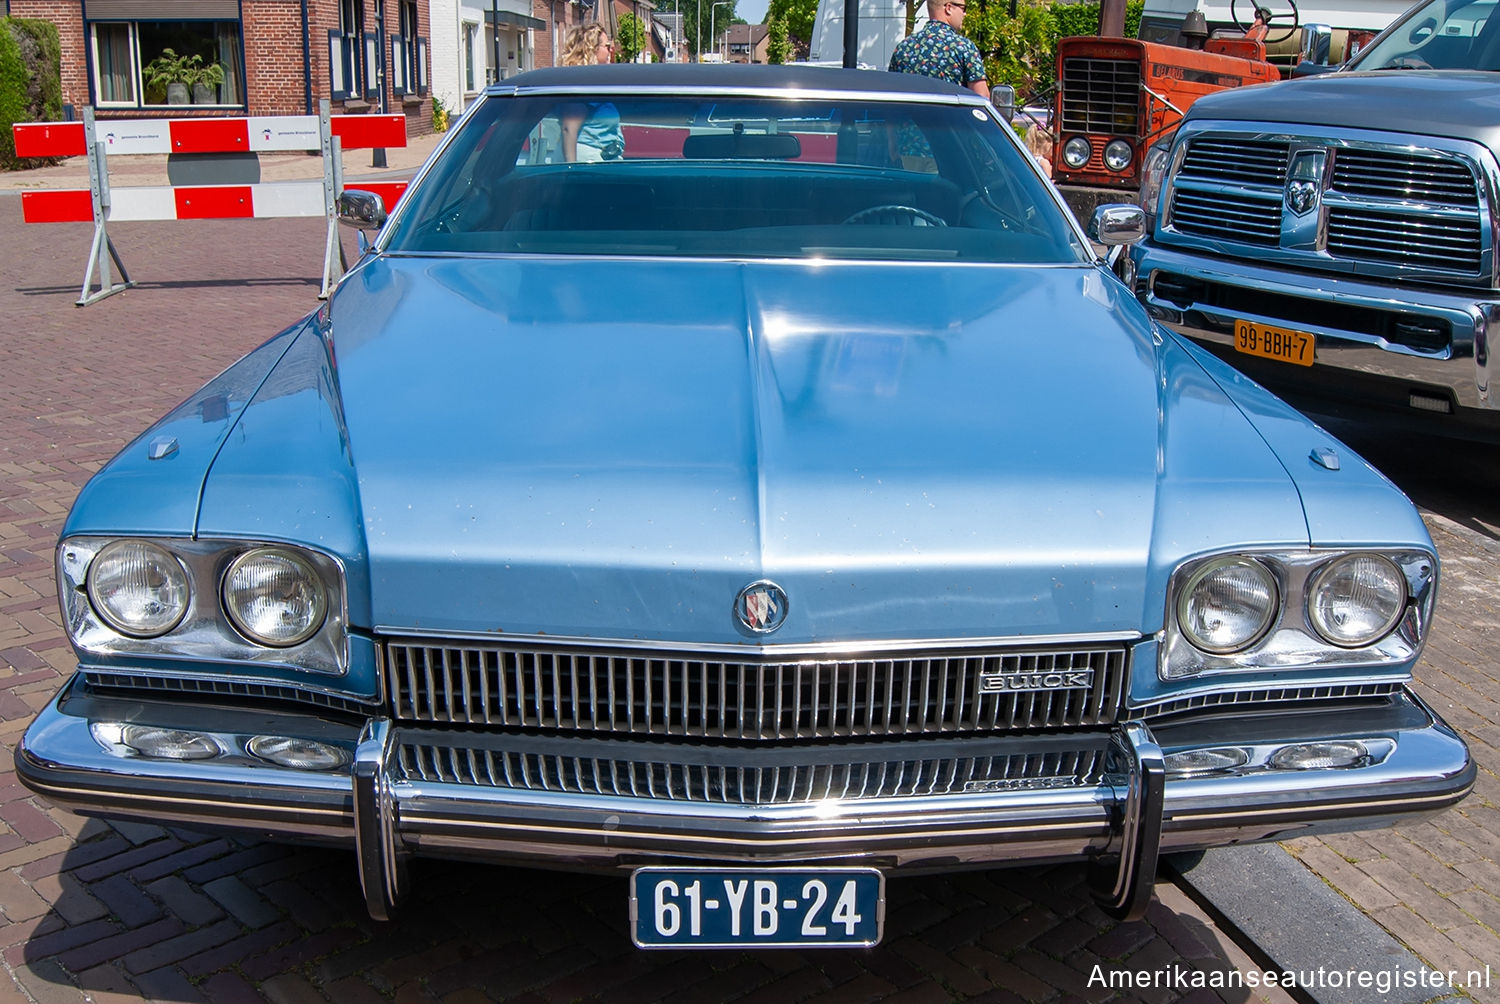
(1101, 96)
(710, 694)
(888, 772)
(1380, 205)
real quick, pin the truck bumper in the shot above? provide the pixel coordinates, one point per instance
(383, 803)
(1449, 383)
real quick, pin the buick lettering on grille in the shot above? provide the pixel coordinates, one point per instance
(1010, 683)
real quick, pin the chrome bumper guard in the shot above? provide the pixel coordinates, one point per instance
(1118, 818)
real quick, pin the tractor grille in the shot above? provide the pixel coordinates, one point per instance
(1101, 96)
(713, 695)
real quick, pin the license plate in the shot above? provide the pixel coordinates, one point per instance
(1273, 343)
(757, 907)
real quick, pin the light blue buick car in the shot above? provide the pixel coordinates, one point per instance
(776, 494)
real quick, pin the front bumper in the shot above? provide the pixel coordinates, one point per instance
(1203, 296)
(387, 811)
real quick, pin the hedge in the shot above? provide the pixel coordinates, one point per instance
(30, 81)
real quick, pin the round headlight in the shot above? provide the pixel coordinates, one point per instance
(1118, 155)
(169, 744)
(1227, 605)
(138, 588)
(298, 754)
(274, 597)
(1076, 152)
(1356, 600)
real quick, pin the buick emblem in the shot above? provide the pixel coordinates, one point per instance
(761, 606)
(1301, 196)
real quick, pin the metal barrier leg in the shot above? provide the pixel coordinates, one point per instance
(103, 250)
(1122, 883)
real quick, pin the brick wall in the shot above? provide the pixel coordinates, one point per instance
(274, 75)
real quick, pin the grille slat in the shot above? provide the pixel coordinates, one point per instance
(790, 698)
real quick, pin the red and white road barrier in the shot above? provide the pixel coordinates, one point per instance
(254, 134)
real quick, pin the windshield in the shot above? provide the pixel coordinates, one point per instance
(1443, 35)
(713, 177)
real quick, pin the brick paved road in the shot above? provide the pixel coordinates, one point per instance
(121, 912)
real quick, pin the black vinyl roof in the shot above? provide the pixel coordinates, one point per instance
(698, 76)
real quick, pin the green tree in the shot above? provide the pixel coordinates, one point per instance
(698, 17)
(1022, 50)
(630, 39)
(798, 16)
(778, 48)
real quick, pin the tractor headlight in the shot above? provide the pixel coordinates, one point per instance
(1076, 152)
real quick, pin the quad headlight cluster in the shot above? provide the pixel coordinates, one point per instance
(1297, 609)
(230, 598)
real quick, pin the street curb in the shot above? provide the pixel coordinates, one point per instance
(1289, 919)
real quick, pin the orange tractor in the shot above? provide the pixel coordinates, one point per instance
(1117, 96)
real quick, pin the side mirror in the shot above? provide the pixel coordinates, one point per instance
(1117, 224)
(1003, 97)
(1317, 44)
(361, 209)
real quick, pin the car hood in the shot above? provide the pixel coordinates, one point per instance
(1454, 103)
(613, 449)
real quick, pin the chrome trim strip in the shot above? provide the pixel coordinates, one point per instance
(769, 653)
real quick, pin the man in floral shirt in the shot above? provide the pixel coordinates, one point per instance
(938, 50)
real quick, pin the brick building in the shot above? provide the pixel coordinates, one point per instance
(273, 57)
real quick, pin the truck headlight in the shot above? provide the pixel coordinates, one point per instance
(138, 588)
(1356, 600)
(1227, 605)
(1153, 173)
(274, 597)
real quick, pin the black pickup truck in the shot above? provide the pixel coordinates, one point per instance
(1334, 236)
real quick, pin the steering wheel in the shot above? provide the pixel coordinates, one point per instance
(897, 214)
(1271, 19)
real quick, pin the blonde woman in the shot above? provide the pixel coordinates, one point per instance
(590, 133)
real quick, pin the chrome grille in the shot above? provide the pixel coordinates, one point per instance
(1405, 176)
(137, 683)
(1237, 161)
(1245, 219)
(711, 694)
(1402, 238)
(1387, 206)
(1101, 96)
(747, 784)
(1268, 695)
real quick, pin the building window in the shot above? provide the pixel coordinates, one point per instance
(408, 54)
(142, 63)
(346, 52)
(471, 39)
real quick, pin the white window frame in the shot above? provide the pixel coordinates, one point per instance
(135, 65)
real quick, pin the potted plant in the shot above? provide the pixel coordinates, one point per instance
(206, 81)
(171, 73)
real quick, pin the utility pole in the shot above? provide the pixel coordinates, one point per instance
(377, 156)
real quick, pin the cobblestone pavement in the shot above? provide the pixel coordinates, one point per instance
(127, 911)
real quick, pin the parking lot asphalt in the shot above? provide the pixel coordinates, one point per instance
(102, 911)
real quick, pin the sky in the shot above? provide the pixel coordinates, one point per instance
(753, 11)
